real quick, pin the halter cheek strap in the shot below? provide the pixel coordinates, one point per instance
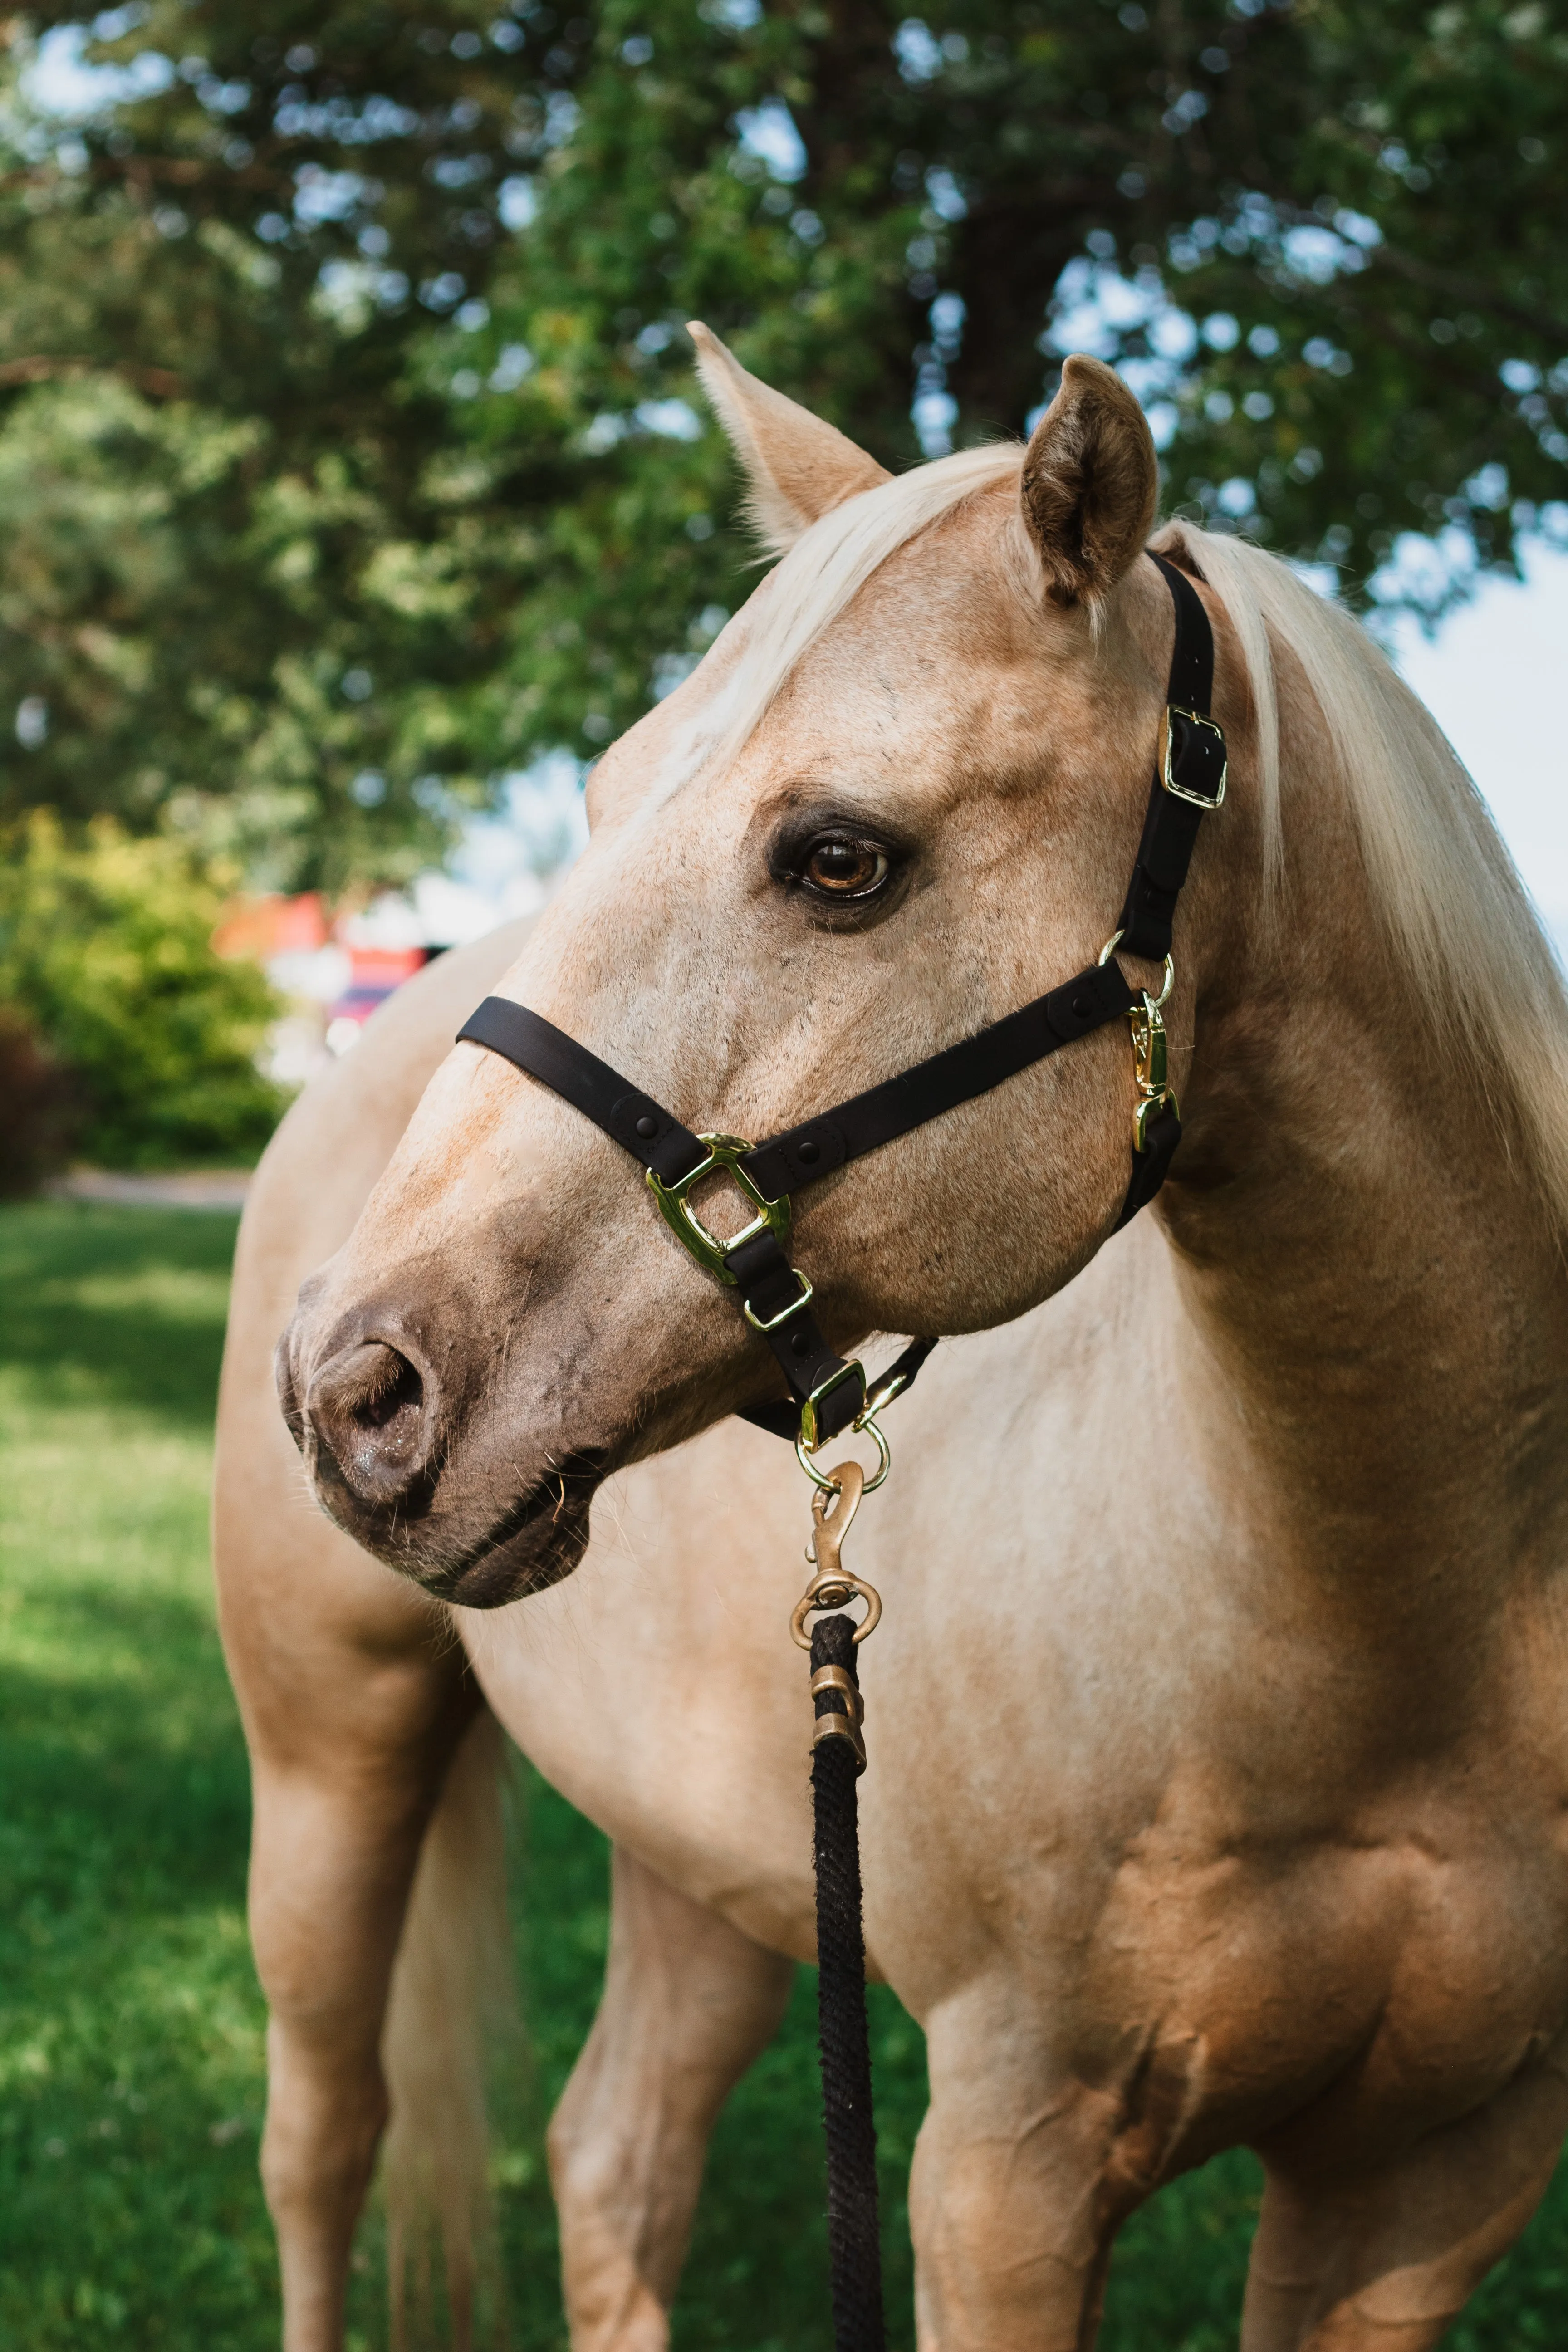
(827, 1394)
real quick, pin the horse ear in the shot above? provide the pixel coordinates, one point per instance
(797, 467)
(1092, 483)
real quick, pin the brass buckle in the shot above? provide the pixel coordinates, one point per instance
(809, 1437)
(1180, 791)
(725, 1153)
(774, 1321)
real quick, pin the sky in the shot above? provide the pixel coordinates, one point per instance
(1493, 677)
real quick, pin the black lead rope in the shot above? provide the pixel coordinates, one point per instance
(854, 2238)
(827, 1395)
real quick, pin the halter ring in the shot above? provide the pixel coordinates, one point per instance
(1170, 980)
(825, 1480)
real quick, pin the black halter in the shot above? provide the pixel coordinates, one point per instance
(827, 1394)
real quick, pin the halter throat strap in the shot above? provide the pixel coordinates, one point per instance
(827, 1394)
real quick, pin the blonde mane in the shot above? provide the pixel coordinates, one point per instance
(1452, 906)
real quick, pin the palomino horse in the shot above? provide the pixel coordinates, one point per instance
(1219, 1757)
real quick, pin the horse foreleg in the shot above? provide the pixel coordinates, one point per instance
(689, 2002)
(1384, 2263)
(1010, 2204)
(332, 1860)
(354, 1699)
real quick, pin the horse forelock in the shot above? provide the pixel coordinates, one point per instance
(806, 591)
(1456, 915)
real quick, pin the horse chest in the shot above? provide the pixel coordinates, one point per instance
(1374, 1984)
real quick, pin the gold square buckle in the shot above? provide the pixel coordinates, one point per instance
(1210, 727)
(795, 1307)
(725, 1153)
(810, 1422)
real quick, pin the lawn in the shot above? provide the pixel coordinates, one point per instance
(131, 2027)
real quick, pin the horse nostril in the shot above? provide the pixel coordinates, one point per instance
(369, 1408)
(392, 1387)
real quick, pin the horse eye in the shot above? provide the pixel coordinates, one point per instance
(845, 869)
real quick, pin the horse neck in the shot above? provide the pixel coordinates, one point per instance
(1376, 1287)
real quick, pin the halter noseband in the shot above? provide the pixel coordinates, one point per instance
(827, 1394)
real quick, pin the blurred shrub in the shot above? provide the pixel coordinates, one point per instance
(106, 957)
(36, 1108)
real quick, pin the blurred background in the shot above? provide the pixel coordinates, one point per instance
(354, 492)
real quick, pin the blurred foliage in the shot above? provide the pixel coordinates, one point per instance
(348, 455)
(106, 953)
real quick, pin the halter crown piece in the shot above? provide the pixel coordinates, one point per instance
(827, 1394)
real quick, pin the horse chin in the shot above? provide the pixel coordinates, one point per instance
(529, 1561)
(532, 1543)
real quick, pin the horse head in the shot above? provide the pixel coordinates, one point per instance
(898, 799)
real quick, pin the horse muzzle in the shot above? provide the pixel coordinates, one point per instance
(400, 1466)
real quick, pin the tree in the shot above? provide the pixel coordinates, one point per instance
(349, 453)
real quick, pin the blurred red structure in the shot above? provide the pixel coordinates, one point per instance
(273, 926)
(373, 973)
(334, 974)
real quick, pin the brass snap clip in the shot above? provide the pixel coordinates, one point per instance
(1151, 1051)
(833, 1507)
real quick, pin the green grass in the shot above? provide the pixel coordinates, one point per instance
(131, 2027)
